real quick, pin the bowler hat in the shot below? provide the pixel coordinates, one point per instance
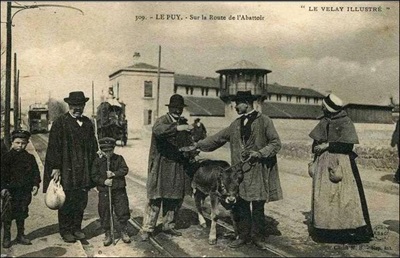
(76, 97)
(243, 96)
(20, 134)
(176, 100)
(107, 143)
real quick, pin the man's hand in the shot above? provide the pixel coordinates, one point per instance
(254, 155)
(110, 174)
(100, 153)
(35, 190)
(56, 174)
(184, 127)
(4, 192)
(318, 149)
(108, 182)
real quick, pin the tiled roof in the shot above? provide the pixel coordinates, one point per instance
(196, 81)
(284, 110)
(243, 65)
(294, 91)
(140, 67)
(200, 106)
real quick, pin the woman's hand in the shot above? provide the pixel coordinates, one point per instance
(320, 148)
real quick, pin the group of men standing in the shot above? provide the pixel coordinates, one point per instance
(73, 147)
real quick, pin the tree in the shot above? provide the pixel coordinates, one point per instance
(56, 108)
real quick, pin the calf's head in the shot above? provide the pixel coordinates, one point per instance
(229, 181)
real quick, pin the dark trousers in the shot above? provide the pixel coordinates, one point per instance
(250, 221)
(70, 215)
(20, 200)
(120, 204)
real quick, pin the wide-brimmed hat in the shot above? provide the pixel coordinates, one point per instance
(176, 100)
(333, 103)
(20, 134)
(107, 143)
(76, 97)
(243, 96)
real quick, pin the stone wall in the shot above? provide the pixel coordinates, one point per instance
(379, 158)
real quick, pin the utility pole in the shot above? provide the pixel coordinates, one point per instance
(158, 82)
(17, 110)
(7, 139)
(16, 93)
(92, 99)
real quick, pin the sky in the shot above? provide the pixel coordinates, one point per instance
(317, 45)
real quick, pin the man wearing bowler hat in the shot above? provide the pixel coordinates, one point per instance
(252, 136)
(167, 182)
(71, 150)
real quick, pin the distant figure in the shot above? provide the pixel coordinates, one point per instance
(339, 209)
(20, 178)
(70, 153)
(395, 141)
(199, 131)
(111, 175)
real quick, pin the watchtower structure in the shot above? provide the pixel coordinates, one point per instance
(242, 76)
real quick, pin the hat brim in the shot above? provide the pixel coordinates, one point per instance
(69, 101)
(252, 98)
(177, 106)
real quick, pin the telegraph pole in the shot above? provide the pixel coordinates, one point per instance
(16, 93)
(158, 82)
(7, 119)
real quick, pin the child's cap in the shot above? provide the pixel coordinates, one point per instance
(107, 143)
(20, 134)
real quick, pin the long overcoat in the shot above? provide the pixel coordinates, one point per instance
(260, 182)
(72, 149)
(166, 175)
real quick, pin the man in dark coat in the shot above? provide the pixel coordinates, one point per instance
(167, 181)
(71, 150)
(396, 141)
(252, 136)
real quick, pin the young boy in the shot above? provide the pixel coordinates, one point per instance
(111, 175)
(20, 178)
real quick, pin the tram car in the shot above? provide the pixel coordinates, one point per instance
(111, 121)
(38, 118)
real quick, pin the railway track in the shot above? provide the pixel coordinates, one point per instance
(163, 246)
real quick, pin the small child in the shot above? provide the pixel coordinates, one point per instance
(20, 178)
(111, 175)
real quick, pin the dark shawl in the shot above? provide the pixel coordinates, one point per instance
(336, 128)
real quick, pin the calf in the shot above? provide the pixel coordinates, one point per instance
(215, 178)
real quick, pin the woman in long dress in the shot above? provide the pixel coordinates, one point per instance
(339, 208)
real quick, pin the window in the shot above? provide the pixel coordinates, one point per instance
(278, 97)
(187, 90)
(315, 100)
(269, 97)
(298, 99)
(148, 89)
(307, 99)
(202, 91)
(289, 98)
(217, 92)
(175, 88)
(206, 92)
(191, 90)
(147, 119)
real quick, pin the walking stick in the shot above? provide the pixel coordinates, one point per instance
(110, 204)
